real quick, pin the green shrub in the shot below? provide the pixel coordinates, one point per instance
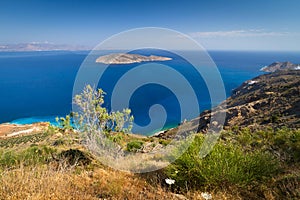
(58, 142)
(8, 159)
(117, 137)
(36, 155)
(283, 143)
(164, 142)
(287, 143)
(65, 122)
(226, 165)
(30, 156)
(134, 146)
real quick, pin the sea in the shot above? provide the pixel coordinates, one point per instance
(38, 86)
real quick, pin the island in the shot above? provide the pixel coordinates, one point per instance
(279, 66)
(126, 58)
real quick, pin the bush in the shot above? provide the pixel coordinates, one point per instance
(164, 142)
(36, 155)
(30, 156)
(134, 146)
(287, 142)
(283, 143)
(226, 165)
(8, 159)
(93, 115)
(65, 123)
(97, 123)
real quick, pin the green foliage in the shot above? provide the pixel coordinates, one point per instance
(118, 137)
(93, 116)
(96, 123)
(287, 143)
(36, 155)
(8, 159)
(283, 143)
(65, 123)
(30, 156)
(59, 142)
(35, 138)
(226, 165)
(134, 146)
(164, 142)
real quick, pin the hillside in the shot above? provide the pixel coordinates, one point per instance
(279, 66)
(267, 100)
(256, 157)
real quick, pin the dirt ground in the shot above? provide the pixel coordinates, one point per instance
(10, 130)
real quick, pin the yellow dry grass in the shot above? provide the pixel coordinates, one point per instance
(44, 183)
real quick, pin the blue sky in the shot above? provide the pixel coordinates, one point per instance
(216, 24)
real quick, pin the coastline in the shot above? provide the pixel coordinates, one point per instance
(11, 130)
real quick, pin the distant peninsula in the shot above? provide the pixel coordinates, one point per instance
(41, 46)
(280, 66)
(126, 58)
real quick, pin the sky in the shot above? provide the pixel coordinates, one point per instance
(215, 24)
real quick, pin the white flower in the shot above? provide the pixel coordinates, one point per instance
(169, 181)
(206, 196)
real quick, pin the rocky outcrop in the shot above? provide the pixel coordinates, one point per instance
(124, 58)
(268, 100)
(279, 66)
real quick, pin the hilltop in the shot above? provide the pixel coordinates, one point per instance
(279, 66)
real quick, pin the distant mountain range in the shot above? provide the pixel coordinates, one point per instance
(41, 46)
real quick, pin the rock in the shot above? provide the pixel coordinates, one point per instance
(279, 66)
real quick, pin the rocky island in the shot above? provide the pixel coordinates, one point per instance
(279, 66)
(126, 58)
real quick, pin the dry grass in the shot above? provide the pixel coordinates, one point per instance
(44, 183)
(61, 178)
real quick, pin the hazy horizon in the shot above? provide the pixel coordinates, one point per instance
(237, 25)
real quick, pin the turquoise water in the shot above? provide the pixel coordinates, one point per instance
(31, 120)
(37, 86)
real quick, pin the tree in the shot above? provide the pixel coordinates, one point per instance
(96, 122)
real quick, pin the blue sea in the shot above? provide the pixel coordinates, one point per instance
(38, 86)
